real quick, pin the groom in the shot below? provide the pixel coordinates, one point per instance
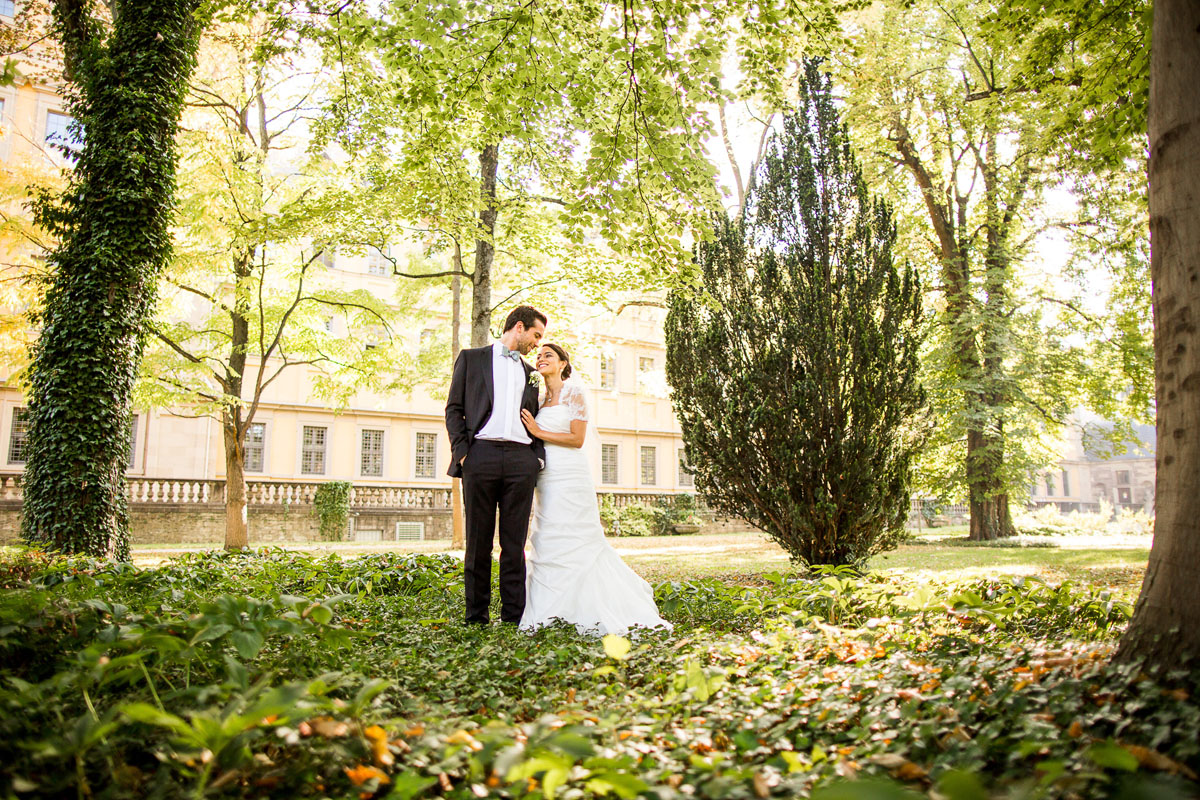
(496, 458)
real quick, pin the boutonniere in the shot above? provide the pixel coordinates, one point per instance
(535, 379)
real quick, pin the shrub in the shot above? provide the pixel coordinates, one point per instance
(331, 504)
(793, 361)
(658, 518)
(1049, 521)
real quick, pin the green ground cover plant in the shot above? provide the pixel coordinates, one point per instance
(282, 674)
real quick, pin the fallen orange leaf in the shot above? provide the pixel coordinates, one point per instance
(378, 738)
(364, 772)
(1153, 759)
(911, 772)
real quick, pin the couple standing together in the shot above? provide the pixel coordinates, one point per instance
(506, 441)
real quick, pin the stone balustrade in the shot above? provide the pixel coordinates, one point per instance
(174, 492)
(202, 491)
(205, 491)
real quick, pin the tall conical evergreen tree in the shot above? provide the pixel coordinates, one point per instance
(793, 360)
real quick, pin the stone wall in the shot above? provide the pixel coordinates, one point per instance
(205, 523)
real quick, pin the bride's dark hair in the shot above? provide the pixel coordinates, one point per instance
(563, 357)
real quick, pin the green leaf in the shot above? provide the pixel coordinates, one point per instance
(247, 643)
(1110, 755)
(864, 790)
(961, 785)
(407, 785)
(621, 784)
(213, 632)
(144, 712)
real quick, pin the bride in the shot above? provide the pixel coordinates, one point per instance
(573, 572)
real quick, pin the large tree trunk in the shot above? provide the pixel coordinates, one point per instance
(1165, 630)
(485, 249)
(988, 502)
(987, 492)
(234, 425)
(237, 529)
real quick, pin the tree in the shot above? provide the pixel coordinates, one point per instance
(1165, 629)
(23, 272)
(1091, 63)
(249, 296)
(793, 361)
(112, 226)
(564, 138)
(969, 144)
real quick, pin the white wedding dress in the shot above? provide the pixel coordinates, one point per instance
(572, 573)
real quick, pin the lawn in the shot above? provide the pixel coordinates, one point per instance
(1114, 561)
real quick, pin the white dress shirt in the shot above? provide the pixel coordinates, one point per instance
(508, 386)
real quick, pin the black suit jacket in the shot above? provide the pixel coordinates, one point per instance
(469, 406)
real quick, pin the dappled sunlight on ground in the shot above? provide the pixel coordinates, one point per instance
(1115, 561)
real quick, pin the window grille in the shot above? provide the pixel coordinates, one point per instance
(371, 461)
(410, 531)
(133, 428)
(256, 439)
(312, 451)
(609, 471)
(608, 372)
(686, 478)
(58, 129)
(425, 463)
(649, 466)
(18, 437)
(377, 262)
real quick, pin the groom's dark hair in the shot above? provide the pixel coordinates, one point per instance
(526, 315)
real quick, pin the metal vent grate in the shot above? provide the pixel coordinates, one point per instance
(368, 535)
(410, 531)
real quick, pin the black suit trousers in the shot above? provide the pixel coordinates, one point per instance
(497, 476)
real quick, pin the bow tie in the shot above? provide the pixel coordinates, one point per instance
(513, 354)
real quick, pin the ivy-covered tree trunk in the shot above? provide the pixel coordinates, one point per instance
(126, 91)
(793, 363)
(1165, 630)
(485, 248)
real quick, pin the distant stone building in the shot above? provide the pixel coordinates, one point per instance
(1089, 474)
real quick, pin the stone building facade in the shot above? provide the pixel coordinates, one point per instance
(1089, 474)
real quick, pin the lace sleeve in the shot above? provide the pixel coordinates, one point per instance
(574, 401)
